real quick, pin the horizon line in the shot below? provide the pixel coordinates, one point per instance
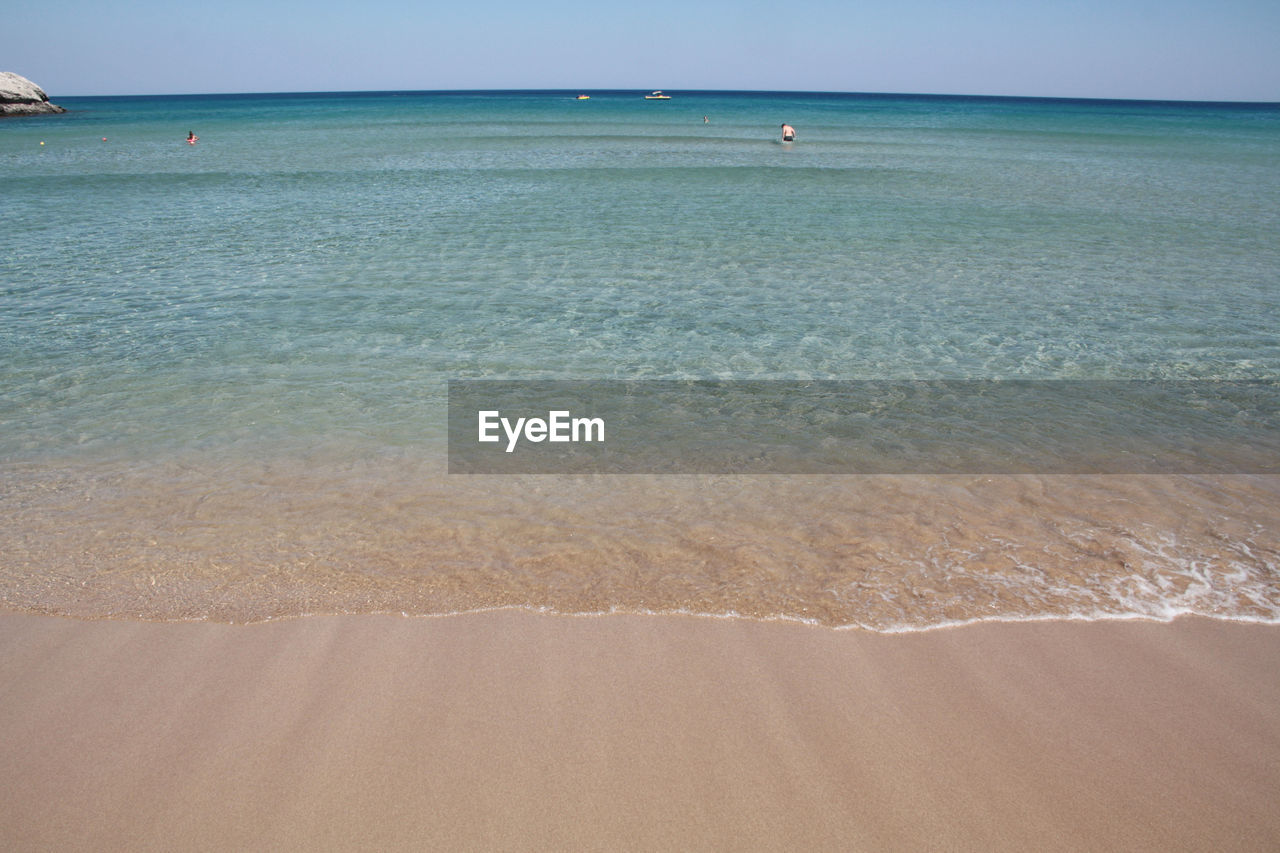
(687, 91)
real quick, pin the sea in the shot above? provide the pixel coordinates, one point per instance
(225, 367)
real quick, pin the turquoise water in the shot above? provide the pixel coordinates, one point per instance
(297, 288)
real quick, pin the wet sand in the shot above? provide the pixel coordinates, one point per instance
(521, 731)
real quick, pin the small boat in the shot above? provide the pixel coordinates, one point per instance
(584, 97)
(657, 96)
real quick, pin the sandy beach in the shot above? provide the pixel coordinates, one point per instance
(521, 731)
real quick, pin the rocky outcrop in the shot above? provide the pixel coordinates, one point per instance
(20, 97)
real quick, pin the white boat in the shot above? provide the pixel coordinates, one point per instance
(657, 96)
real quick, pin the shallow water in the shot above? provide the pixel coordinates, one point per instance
(223, 366)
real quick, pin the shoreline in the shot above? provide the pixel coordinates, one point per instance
(517, 730)
(247, 540)
(1172, 618)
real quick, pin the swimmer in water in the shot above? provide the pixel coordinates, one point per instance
(191, 137)
(788, 133)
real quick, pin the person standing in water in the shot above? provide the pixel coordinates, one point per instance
(191, 137)
(788, 133)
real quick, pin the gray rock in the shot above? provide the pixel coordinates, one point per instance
(20, 97)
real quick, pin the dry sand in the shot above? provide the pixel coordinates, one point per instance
(521, 731)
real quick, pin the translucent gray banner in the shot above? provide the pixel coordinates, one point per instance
(864, 427)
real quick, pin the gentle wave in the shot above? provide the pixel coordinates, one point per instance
(201, 539)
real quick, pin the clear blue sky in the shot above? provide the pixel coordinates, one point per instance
(1176, 49)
